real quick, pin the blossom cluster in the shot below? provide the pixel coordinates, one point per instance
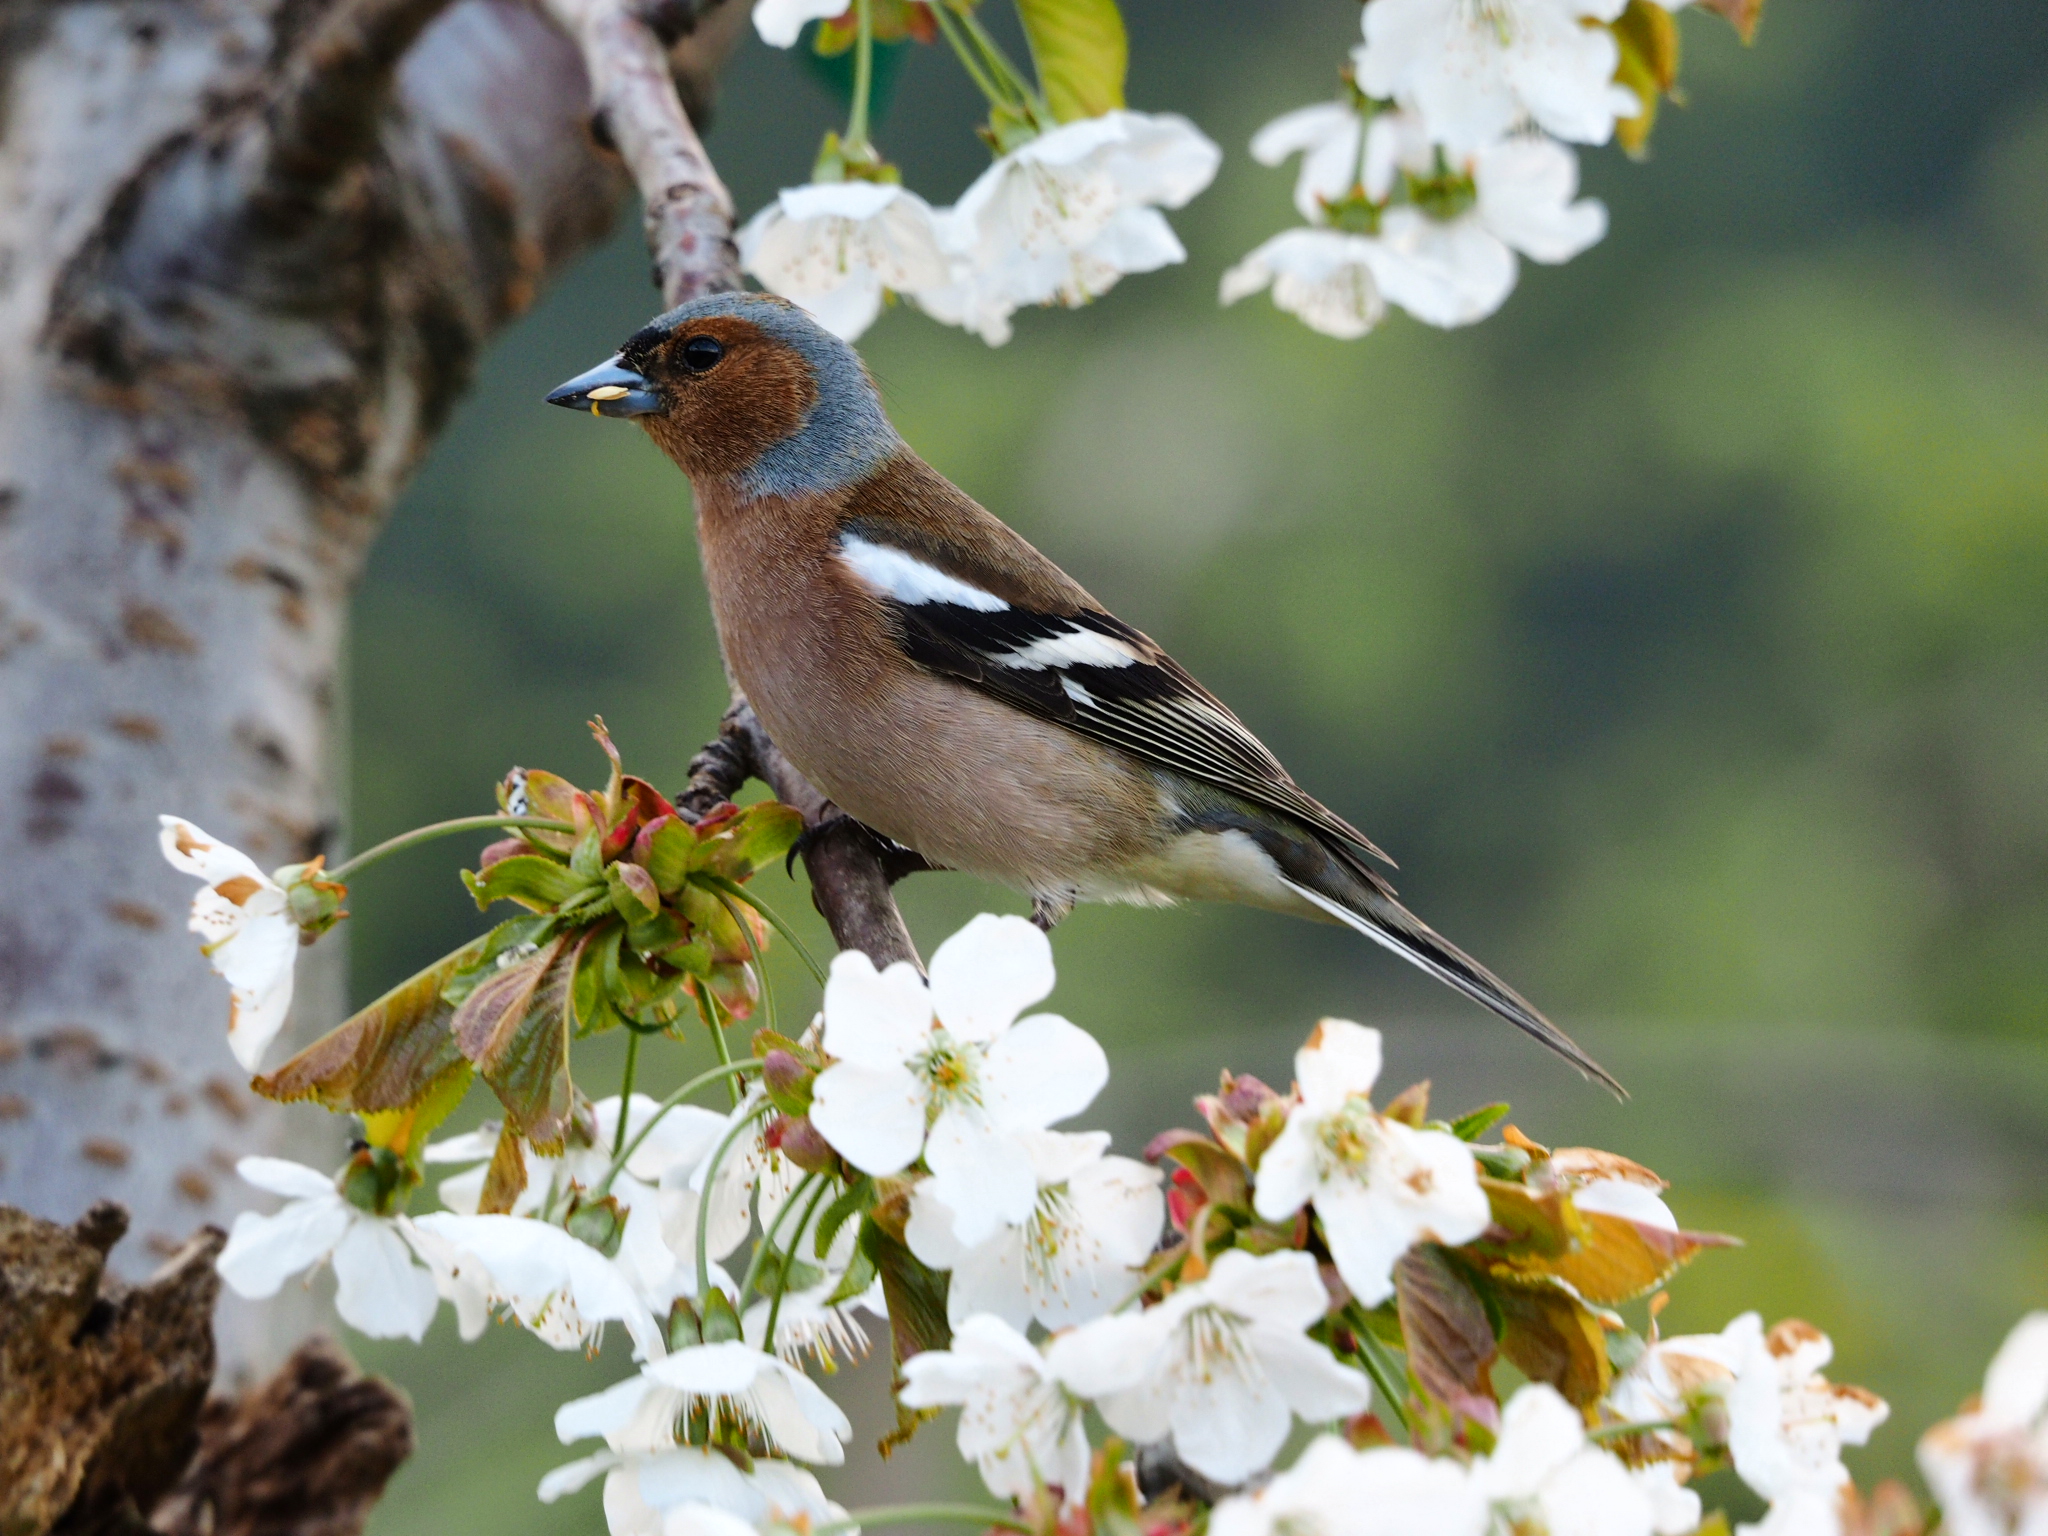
(1313, 1265)
(1447, 158)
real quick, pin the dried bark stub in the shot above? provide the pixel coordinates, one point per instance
(105, 1424)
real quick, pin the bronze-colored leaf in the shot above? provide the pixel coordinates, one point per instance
(1742, 15)
(1451, 1347)
(386, 1057)
(515, 1026)
(506, 1178)
(916, 1298)
(1552, 1336)
(1527, 1223)
(1618, 1260)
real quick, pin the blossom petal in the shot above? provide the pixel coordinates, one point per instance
(988, 973)
(263, 1251)
(1539, 1433)
(979, 1173)
(281, 1176)
(875, 1019)
(873, 1117)
(1229, 1422)
(1443, 272)
(1314, 1383)
(2016, 1385)
(1041, 1071)
(195, 852)
(1525, 190)
(1276, 1291)
(1340, 1059)
(379, 1290)
(781, 21)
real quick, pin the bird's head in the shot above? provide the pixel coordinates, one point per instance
(745, 389)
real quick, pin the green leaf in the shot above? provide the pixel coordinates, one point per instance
(852, 1201)
(633, 891)
(860, 1274)
(644, 996)
(405, 1131)
(1451, 1346)
(531, 879)
(589, 995)
(916, 1299)
(1475, 1125)
(1535, 1225)
(671, 854)
(515, 1026)
(1081, 53)
(387, 1057)
(508, 935)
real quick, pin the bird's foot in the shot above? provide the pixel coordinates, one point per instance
(1048, 909)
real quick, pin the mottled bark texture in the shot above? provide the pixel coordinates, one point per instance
(246, 266)
(250, 251)
(106, 1428)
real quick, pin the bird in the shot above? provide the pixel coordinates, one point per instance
(953, 689)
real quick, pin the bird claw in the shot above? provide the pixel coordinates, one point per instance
(1047, 910)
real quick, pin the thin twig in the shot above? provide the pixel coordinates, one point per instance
(689, 213)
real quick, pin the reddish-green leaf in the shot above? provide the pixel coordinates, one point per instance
(1451, 1347)
(531, 879)
(757, 837)
(1552, 1336)
(515, 1026)
(387, 1057)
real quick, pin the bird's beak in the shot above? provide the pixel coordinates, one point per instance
(609, 389)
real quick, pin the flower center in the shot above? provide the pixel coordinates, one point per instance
(951, 1070)
(1495, 16)
(1054, 1240)
(1216, 1345)
(1351, 1137)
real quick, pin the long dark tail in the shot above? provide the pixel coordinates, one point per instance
(1385, 921)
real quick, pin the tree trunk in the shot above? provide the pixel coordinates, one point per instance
(248, 259)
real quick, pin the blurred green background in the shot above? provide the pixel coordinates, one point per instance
(1682, 630)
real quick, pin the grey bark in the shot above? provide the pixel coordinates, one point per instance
(236, 303)
(250, 251)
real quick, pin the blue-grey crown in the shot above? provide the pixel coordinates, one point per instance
(844, 436)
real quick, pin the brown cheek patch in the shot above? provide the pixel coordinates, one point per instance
(719, 423)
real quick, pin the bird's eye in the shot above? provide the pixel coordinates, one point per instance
(701, 353)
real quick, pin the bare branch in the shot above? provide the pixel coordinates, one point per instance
(851, 870)
(689, 213)
(322, 121)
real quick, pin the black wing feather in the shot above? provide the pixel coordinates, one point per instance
(1150, 708)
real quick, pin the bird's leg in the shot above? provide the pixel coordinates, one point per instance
(1047, 908)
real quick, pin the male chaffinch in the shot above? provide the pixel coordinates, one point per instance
(946, 684)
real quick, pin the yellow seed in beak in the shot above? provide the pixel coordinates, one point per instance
(609, 392)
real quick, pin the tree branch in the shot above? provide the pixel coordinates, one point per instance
(323, 119)
(689, 213)
(851, 869)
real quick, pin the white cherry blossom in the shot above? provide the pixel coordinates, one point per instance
(1321, 276)
(1787, 1423)
(1061, 217)
(836, 247)
(249, 936)
(807, 1325)
(1610, 1185)
(780, 22)
(1453, 271)
(1546, 1479)
(1476, 70)
(1219, 1365)
(1988, 1467)
(1076, 1255)
(755, 1391)
(1329, 138)
(1017, 1423)
(559, 1287)
(1332, 1490)
(688, 1490)
(752, 1167)
(378, 1289)
(946, 1070)
(1378, 1186)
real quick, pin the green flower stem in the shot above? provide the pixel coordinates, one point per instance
(998, 62)
(863, 76)
(1617, 1431)
(964, 51)
(707, 1010)
(1387, 1375)
(404, 840)
(905, 1514)
(789, 1258)
(625, 1154)
(625, 1095)
(739, 892)
(750, 1281)
(704, 1200)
